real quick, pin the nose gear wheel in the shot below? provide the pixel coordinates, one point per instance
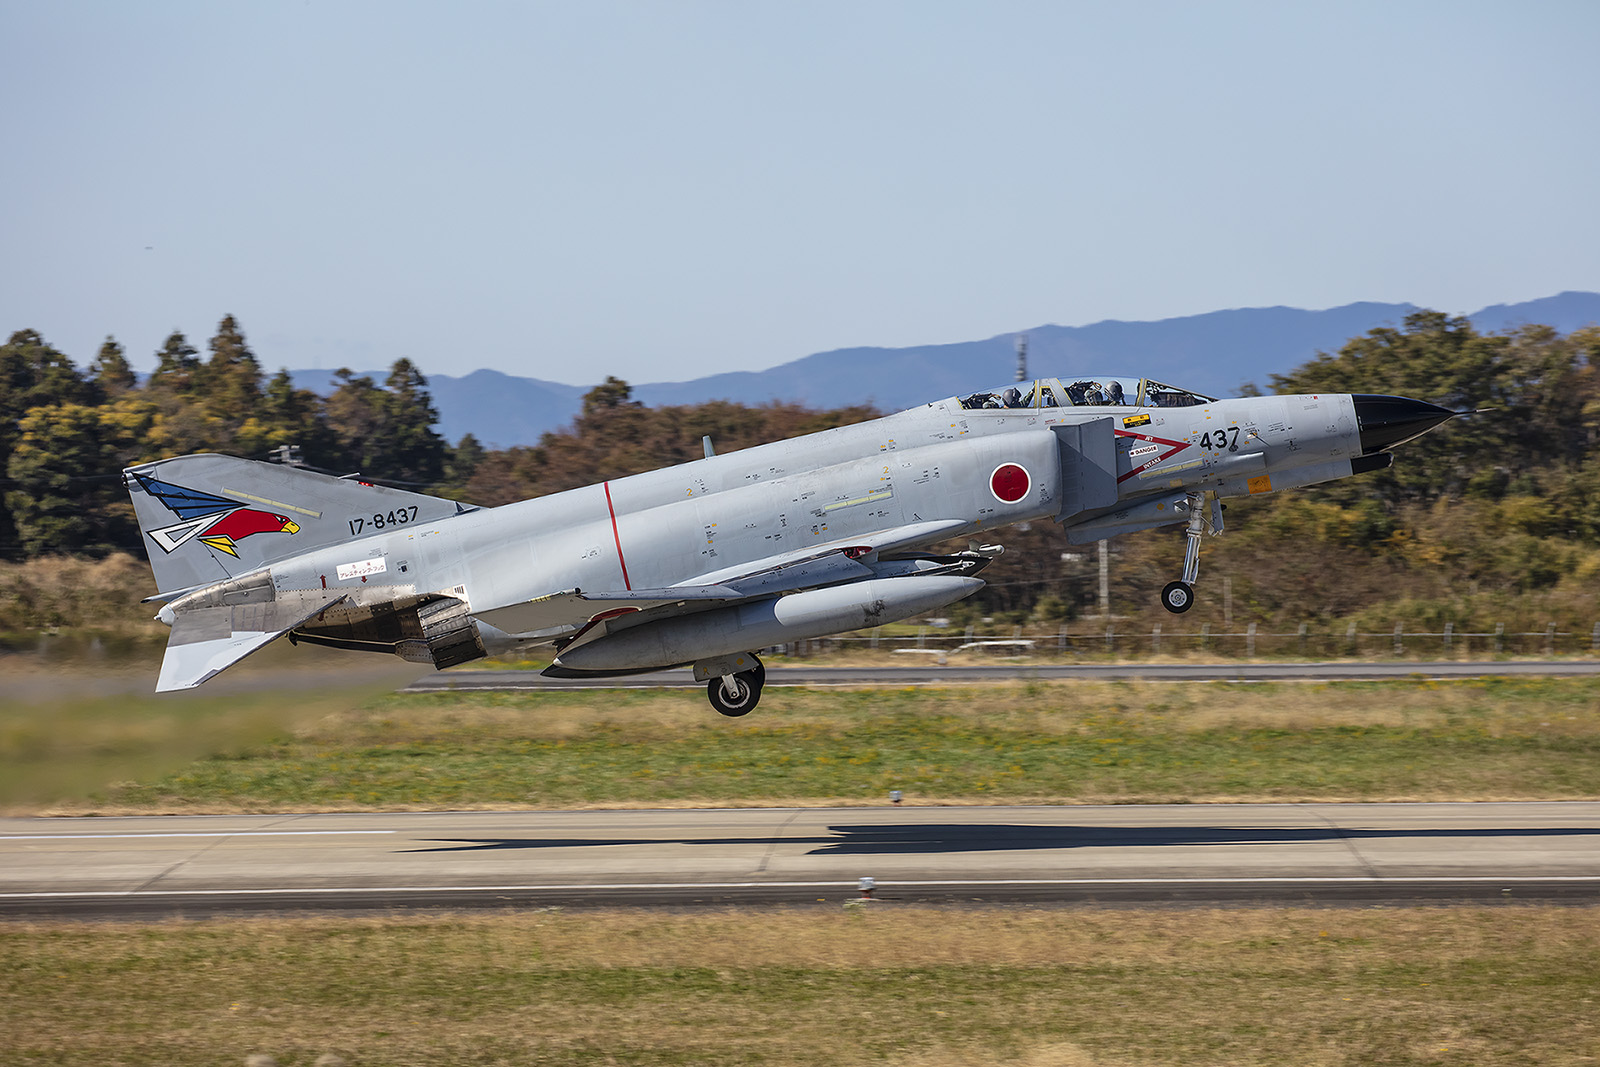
(1177, 597)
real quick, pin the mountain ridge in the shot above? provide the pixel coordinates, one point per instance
(1216, 352)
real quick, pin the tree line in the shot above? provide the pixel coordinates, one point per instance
(1504, 503)
(66, 433)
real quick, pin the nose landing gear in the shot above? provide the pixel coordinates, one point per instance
(1178, 597)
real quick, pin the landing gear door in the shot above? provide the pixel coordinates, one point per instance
(1088, 466)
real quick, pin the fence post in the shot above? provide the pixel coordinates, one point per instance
(1350, 637)
(922, 636)
(1155, 638)
(1061, 639)
(1594, 639)
(1250, 641)
(1111, 638)
(1399, 638)
(1205, 635)
(1550, 640)
(1449, 632)
(1499, 638)
(1303, 628)
(875, 630)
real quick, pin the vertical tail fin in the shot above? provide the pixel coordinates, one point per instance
(206, 518)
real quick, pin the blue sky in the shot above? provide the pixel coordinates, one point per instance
(666, 189)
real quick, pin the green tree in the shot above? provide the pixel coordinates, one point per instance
(386, 433)
(177, 367)
(33, 374)
(408, 448)
(1530, 390)
(354, 412)
(290, 416)
(60, 472)
(229, 383)
(462, 461)
(610, 395)
(110, 371)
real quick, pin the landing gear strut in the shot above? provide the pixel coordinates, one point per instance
(737, 694)
(1204, 511)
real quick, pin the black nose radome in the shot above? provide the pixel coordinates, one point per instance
(1386, 421)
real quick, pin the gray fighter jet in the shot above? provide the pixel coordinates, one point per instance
(709, 562)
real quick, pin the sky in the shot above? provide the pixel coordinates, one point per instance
(665, 189)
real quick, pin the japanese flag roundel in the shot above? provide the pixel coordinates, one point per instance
(1009, 483)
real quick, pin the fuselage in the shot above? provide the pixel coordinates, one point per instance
(705, 563)
(943, 467)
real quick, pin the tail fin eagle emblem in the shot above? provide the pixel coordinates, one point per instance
(217, 521)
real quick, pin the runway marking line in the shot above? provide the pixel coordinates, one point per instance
(997, 883)
(194, 833)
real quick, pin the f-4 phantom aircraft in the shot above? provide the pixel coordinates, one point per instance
(708, 562)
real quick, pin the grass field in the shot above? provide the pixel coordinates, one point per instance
(879, 984)
(1024, 742)
(915, 988)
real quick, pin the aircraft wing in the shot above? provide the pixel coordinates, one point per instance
(206, 641)
(787, 572)
(573, 607)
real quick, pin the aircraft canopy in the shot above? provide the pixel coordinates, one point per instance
(1086, 392)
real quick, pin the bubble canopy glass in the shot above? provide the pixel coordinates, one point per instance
(1084, 392)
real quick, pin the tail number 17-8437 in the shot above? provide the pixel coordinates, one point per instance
(397, 517)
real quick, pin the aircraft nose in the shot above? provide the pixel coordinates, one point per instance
(1386, 421)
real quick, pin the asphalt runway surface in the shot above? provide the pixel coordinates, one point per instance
(915, 674)
(1183, 855)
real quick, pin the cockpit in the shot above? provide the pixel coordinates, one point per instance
(1085, 392)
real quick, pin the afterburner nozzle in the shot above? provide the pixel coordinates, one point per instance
(1386, 421)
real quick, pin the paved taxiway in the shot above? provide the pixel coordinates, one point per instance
(988, 674)
(94, 867)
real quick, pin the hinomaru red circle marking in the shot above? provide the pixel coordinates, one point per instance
(1009, 483)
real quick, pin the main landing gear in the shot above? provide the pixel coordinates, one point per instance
(1205, 511)
(737, 694)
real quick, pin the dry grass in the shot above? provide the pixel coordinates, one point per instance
(100, 595)
(1078, 708)
(67, 733)
(1020, 743)
(914, 987)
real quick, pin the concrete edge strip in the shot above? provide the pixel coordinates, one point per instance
(1075, 883)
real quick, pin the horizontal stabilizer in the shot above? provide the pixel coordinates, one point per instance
(207, 641)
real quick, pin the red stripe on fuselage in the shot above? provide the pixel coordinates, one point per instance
(617, 537)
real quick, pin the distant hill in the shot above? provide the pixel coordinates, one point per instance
(1213, 353)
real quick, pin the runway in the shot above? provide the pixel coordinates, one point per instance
(924, 674)
(1114, 855)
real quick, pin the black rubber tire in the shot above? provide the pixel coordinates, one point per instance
(1177, 597)
(749, 683)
